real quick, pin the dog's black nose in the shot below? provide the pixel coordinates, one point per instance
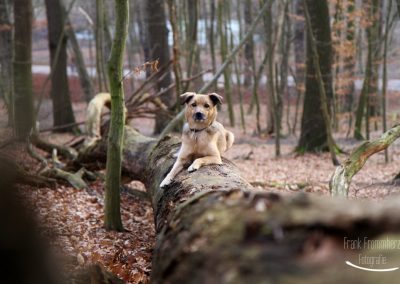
(198, 115)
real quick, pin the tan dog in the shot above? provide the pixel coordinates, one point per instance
(203, 139)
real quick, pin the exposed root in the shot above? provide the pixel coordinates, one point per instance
(75, 180)
(65, 151)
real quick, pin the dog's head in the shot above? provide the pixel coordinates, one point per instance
(201, 110)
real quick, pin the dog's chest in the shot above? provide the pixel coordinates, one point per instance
(198, 141)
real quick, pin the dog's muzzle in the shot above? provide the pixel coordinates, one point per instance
(199, 116)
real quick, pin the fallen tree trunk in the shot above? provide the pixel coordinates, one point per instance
(213, 227)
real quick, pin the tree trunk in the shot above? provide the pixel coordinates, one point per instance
(349, 61)
(192, 47)
(6, 57)
(388, 36)
(363, 101)
(269, 31)
(62, 108)
(313, 130)
(286, 44)
(140, 14)
(173, 16)
(373, 98)
(84, 78)
(273, 61)
(159, 49)
(299, 55)
(321, 88)
(22, 69)
(213, 227)
(112, 215)
(223, 34)
(101, 55)
(249, 46)
(211, 37)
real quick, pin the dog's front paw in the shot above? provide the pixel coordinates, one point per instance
(167, 181)
(193, 167)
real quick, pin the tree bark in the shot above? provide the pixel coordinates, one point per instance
(116, 134)
(101, 54)
(84, 78)
(173, 16)
(273, 61)
(159, 49)
(299, 55)
(192, 47)
(62, 108)
(313, 129)
(223, 34)
(349, 61)
(249, 46)
(387, 37)
(211, 36)
(369, 88)
(22, 69)
(321, 88)
(213, 227)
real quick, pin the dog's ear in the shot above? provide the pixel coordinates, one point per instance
(186, 97)
(215, 98)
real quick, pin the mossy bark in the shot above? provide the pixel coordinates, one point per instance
(341, 179)
(112, 216)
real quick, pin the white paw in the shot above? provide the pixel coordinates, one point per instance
(193, 167)
(167, 181)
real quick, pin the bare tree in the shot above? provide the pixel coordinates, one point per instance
(314, 135)
(84, 78)
(158, 49)
(62, 108)
(101, 54)
(22, 69)
(249, 46)
(112, 216)
(370, 81)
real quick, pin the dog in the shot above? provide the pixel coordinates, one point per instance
(203, 138)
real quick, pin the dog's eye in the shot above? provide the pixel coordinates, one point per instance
(193, 104)
(206, 105)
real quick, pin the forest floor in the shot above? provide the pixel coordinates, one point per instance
(73, 219)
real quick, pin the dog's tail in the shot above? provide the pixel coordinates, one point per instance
(230, 138)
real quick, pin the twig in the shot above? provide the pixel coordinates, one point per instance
(153, 64)
(148, 80)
